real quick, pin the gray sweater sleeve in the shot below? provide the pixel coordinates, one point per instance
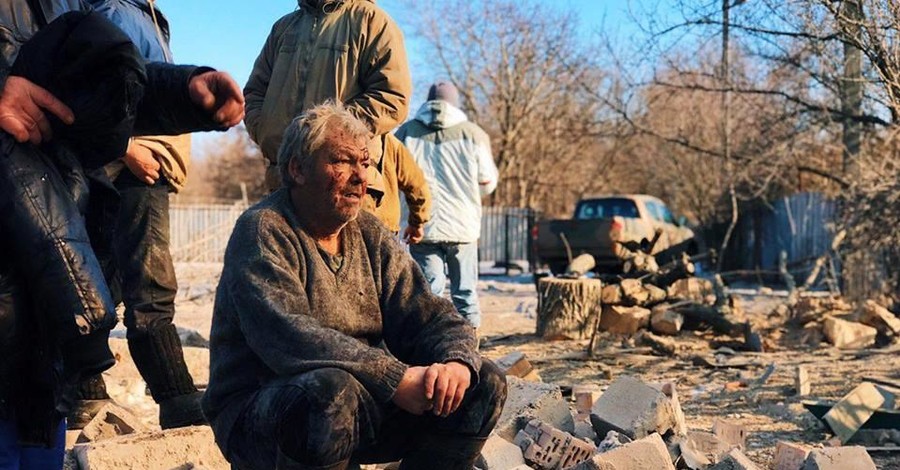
(271, 307)
(420, 328)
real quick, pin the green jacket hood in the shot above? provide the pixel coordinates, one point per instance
(326, 6)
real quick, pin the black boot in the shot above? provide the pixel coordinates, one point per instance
(90, 396)
(159, 358)
(444, 453)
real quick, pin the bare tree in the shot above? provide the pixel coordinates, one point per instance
(228, 166)
(520, 68)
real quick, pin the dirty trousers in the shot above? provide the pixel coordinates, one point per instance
(325, 418)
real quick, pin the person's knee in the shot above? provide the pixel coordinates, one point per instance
(489, 395)
(318, 426)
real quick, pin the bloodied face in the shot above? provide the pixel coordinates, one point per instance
(334, 180)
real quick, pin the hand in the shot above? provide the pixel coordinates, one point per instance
(410, 393)
(446, 385)
(413, 234)
(21, 111)
(142, 163)
(217, 93)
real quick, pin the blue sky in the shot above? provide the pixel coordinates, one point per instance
(228, 34)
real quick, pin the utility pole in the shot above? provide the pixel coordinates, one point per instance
(726, 131)
(851, 88)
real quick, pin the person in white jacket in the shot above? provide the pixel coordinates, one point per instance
(455, 155)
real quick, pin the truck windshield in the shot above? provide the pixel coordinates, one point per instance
(606, 208)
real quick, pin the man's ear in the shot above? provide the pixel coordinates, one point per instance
(296, 172)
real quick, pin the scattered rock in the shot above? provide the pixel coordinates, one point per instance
(849, 335)
(111, 421)
(637, 410)
(192, 447)
(192, 338)
(647, 453)
(526, 401)
(735, 460)
(839, 458)
(499, 454)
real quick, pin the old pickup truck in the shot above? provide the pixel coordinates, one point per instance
(604, 226)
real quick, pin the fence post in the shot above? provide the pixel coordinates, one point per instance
(506, 248)
(529, 243)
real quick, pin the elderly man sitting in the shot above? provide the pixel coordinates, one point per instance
(327, 344)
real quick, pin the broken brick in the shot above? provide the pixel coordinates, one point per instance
(549, 448)
(731, 433)
(790, 455)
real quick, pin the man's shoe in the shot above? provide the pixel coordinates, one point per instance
(181, 411)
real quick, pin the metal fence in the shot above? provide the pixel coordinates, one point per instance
(200, 233)
(506, 237)
(803, 227)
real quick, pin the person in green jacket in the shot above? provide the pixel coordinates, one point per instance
(349, 51)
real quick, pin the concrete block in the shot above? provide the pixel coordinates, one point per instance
(532, 400)
(735, 460)
(644, 454)
(849, 414)
(192, 447)
(879, 318)
(499, 454)
(665, 321)
(849, 335)
(548, 448)
(111, 421)
(839, 458)
(801, 382)
(624, 320)
(790, 455)
(731, 433)
(637, 410)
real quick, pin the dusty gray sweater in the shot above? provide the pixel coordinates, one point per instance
(280, 310)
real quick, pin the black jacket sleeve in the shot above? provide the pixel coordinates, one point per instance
(166, 108)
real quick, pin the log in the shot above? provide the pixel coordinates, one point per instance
(678, 269)
(695, 314)
(568, 308)
(581, 265)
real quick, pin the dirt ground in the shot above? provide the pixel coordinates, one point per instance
(770, 413)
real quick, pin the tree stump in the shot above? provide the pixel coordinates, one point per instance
(568, 308)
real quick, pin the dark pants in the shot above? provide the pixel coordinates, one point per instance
(130, 233)
(325, 417)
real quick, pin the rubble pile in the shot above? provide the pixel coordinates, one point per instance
(636, 426)
(844, 325)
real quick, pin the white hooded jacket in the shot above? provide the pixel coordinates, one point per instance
(455, 156)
